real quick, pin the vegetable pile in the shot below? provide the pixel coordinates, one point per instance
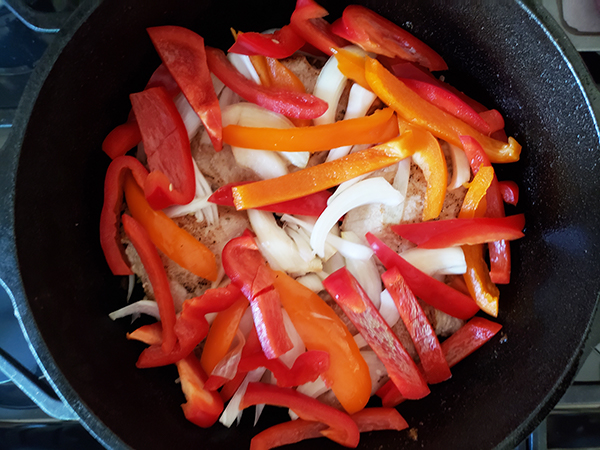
(304, 246)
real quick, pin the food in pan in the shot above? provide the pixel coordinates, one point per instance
(315, 219)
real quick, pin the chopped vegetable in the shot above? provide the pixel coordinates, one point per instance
(279, 44)
(182, 52)
(308, 23)
(378, 127)
(355, 303)
(122, 139)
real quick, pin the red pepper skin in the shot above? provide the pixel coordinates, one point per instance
(376, 419)
(121, 139)
(110, 238)
(510, 191)
(191, 327)
(355, 303)
(309, 205)
(162, 77)
(499, 251)
(289, 103)
(421, 332)
(307, 367)
(308, 23)
(412, 71)
(376, 34)
(171, 179)
(448, 102)
(494, 120)
(158, 279)
(279, 45)
(453, 232)
(457, 347)
(342, 429)
(248, 270)
(182, 52)
(202, 407)
(292, 431)
(428, 289)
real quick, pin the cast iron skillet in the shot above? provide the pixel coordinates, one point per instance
(506, 55)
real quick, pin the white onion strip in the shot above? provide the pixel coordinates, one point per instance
(346, 248)
(359, 102)
(148, 307)
(371, 190)
(365, 271)
(243, 64)
(233, 411)
(329, 87)
(437, 261)
(388, 309)
(461, 170)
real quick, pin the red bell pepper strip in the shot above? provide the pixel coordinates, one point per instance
(375, 419)
(494, 120)
(202, 407)
(405, 69)
(162, 77)
(309, 205)
(307, 367)
(122, 139)
(452, 232)
(175, 242)
(292, 431)
(286, 102)
(321, 329)
(148, 334)
(357, 306)
(457, 347)
(110, 236)
(280, 44)
(308, 23)
(428, 289)
(510, 191)
(419, 112)
(191, 326)
(248, 270)
(182, 52)
(158, 278)
(499, 250)
(376, 34)
(342, 429)
(221, 334)
(449, 102)
(421, 332)
(171, 179)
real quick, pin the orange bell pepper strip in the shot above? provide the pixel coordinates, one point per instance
(477, 278)
(179, 245)
(273, 73)
(418, 111)
(430, 158)
(378, 127)
(352, 66)
(221, 334)
(321, 329)
(322, 176)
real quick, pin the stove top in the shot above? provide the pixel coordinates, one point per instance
(26, 28)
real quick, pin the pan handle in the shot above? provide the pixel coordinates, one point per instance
(35, 389)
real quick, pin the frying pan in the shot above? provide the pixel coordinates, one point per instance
(508, 54)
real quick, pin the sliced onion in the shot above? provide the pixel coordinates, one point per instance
(130, 286)
(302, 240)
(148, 307)
(345, 185)
(190, 118)
(277, 247)
(346, 248)
(402, 176)
(232, 411)
(336, 262)
(360, 341)
(218, 85)
(359, 102)
(289, 357)
(311, 281)
(437, 261)
(377, 370)
(243, 64)
(461, 170)
(371, 190)
(329, 87)
(227, 367)
(227, 98)
(388, 309)
(313, 388)
(365, 271)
